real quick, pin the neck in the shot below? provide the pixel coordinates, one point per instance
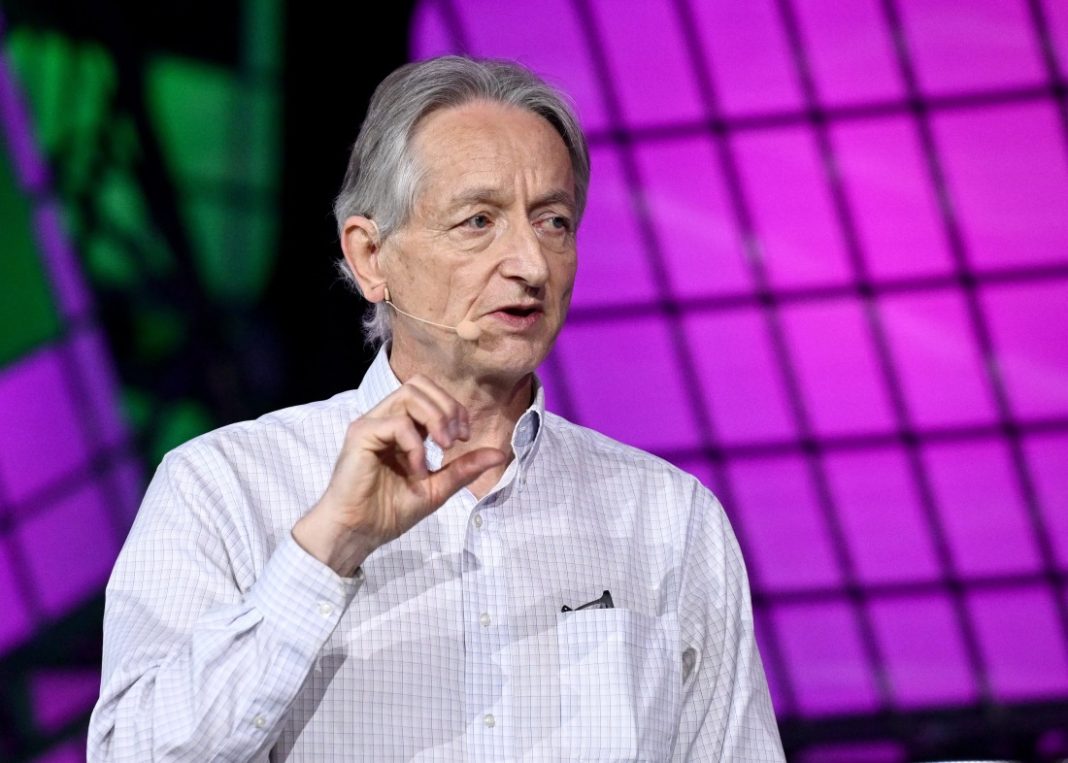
(494, 403)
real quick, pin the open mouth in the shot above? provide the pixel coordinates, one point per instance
(519, 317)
(520, 312)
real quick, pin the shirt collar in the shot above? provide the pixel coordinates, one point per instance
(379, 382)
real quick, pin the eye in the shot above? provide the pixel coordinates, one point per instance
(480, 221)
(555, 224)
(559, 222)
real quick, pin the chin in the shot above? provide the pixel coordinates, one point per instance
(513, 365)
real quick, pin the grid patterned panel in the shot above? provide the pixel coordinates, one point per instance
(827, 249)
(163, 170)
(69, 477)
(167, 171)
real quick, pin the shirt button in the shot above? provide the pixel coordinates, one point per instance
(325, 608)
(484, 619)
(259, 721)
(478, 520)
(489, 720)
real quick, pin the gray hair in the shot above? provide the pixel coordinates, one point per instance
(382, 177)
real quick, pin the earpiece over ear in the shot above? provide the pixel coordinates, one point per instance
(376, 239)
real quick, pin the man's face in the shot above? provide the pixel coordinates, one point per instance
(491, 240)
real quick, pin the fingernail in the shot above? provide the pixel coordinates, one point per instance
(454, 430)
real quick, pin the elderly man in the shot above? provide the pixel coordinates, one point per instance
(432, 566)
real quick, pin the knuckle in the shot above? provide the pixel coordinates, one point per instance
(415, 395)
(406, 428)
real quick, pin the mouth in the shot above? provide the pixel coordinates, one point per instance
(519, 316)
(520, 311)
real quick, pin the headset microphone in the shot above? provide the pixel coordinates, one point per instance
(467, 330)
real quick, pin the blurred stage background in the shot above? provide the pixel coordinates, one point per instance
(824, 267)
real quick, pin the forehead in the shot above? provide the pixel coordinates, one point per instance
(489, 144)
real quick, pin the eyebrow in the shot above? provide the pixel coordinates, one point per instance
(474, 196)
(489, 195)
(555, 197)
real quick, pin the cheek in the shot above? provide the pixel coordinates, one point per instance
(467, 282)
(564, 270)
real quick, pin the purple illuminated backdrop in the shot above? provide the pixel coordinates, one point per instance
(69, 479)
(829, 275)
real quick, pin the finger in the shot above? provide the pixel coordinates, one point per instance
(398, 433)
(412, 401)
(462, 472)
(426, 411)
(455, 411)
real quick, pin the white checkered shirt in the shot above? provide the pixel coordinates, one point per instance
(224, 640)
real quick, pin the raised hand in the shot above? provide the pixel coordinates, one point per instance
(381, 487)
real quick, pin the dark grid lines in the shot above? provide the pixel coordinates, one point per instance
(827, 251)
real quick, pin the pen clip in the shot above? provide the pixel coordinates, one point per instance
(603, 602)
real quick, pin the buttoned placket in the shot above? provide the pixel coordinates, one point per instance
(482, 587)
(485, 591)
(484, 582)
(485, 629)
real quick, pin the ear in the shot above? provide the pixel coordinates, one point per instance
(362, 246)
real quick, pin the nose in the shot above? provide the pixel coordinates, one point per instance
(525, 256)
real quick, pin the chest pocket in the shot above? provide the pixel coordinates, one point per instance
(620, 684)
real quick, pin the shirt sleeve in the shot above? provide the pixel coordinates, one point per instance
(726, 713)
(197, 667)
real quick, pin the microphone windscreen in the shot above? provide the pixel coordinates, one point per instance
(468, 331)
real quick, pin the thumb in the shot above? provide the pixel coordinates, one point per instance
(465, 470)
